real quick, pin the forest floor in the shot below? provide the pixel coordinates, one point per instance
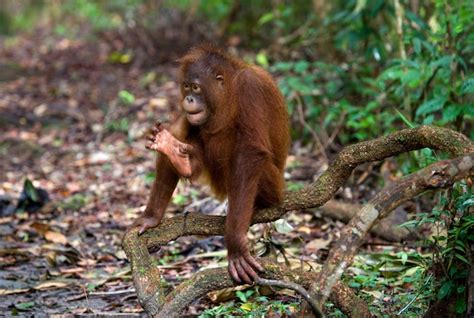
(73, 118)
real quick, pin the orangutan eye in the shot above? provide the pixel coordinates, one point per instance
(186, 86)
(219, 77)
(196, 89)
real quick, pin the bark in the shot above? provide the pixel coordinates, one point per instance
(147, 277)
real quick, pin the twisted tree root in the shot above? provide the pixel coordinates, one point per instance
(147, 277)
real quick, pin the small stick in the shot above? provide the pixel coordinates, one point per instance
(293, 286)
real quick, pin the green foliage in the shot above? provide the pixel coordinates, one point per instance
(399, 279)
(25, 305)
(126, 97)
(74, 202)
(321, 91)
(294, 186)
(150, 177)
(375, 91)
(31, 191)
(250, 303)
(452, 213)
(180, 199)
(24, 17)
(120, 125)
(120, 58)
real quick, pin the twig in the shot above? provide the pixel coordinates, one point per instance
(85, 295)
(302, 120)
(427, 85)
(407, 305)
(293, 286)
(108, 116)
(339, 125)
(198, 203)
(399, 16)
(114, 292)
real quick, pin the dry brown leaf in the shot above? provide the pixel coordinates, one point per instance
(73, 270)
(225, 294)
(316, 244)
(304, 229)
(41, 228)
(55, 237)
(87, 262)
(4, 292)
(50, 284)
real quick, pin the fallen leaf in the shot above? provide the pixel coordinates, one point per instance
(86, 262)
(25, 306)
(4, 292)
(99, 157)
(304, 229)
(50, 284)
(41, 228)
(246, 306)
(55, 237)
(282, 226)
(73, 270)
(317, 244)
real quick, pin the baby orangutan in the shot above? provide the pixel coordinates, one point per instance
(233, 130)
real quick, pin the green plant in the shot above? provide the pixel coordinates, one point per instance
(74, 202)
(251, 304)
(426, 80)
(401, 280)
(451, 247)
(433, 83)
(120, 125)
(126, 97)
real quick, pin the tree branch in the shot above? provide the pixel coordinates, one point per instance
(322, 190)
(436, 176)
(218, 278)
(147, 277)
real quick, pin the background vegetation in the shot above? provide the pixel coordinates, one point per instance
(350, 70)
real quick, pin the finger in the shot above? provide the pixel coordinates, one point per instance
(249, 270)
(254, 263)
(233, 272)
(242, 274)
